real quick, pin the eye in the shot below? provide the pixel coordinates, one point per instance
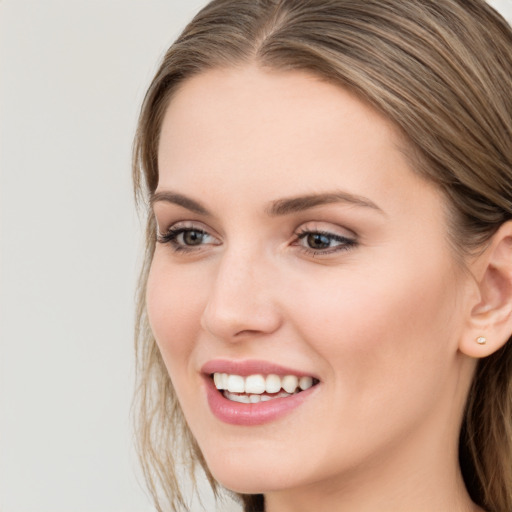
(323, 242)
(182, 238)
(318, 240)
(191, 237)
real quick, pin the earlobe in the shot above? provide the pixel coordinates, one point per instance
(490, 322)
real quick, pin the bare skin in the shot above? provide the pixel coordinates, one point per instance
(377, 307)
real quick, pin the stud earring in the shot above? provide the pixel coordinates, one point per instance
(481, 340)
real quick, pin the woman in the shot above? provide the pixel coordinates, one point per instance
(327, 295)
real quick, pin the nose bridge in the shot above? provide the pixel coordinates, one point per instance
(241, 297)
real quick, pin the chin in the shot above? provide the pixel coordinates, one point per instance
(245, 474)
(248, 483)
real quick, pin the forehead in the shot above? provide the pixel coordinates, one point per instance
(268, 119)
(235, 96)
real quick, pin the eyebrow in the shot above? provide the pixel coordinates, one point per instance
(300, 203)
(276, 208)
(180, 200)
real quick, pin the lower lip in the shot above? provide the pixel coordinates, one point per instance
(236, 413)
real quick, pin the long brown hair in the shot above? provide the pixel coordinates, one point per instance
(441, 70)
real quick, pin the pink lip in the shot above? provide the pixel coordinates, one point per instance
(249, 367)
(236, 413)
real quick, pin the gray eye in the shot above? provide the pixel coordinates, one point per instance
(193, 237)
(318, 241)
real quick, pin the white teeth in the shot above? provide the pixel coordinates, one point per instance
(253, 399)
(305, 383)
(272, 383)
(236, 384)
(258, 384)
(290, 383)
(255, 384)
(243, 399)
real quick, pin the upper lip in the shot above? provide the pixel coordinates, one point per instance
(248, 367)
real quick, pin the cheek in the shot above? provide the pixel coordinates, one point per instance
(383, 330)
(174, 311)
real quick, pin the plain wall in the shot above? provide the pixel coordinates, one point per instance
(72, 77)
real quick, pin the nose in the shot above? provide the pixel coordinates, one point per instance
(242, 299)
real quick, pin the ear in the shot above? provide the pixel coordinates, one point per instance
(490, 321)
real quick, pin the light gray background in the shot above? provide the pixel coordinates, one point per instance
(72, 76)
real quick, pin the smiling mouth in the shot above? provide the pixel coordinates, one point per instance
(260, 388)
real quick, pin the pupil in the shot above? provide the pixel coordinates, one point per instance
(318, 241)
(192, 237)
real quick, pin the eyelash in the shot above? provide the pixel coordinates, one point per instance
(345, 243)
(173, 233)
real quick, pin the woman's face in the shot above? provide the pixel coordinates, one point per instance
(296, 240)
